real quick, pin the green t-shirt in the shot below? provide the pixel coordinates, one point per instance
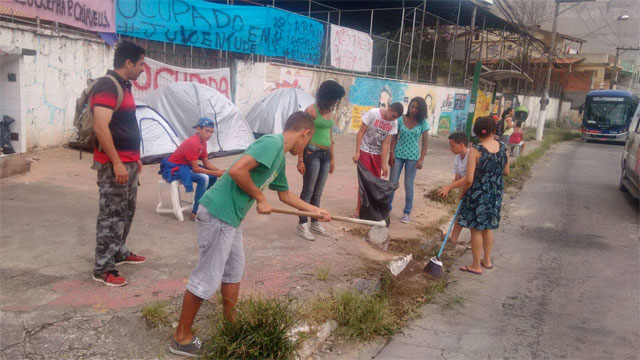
(322, 134)
(226, 201)
(408, 145)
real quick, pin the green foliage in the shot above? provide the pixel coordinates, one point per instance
(261, 331)
(155, 314)
(322, 273)
(363, 317)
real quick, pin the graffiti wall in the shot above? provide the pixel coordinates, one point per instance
(367, 93)
(254, 80)
(51, 80)
(453, 112)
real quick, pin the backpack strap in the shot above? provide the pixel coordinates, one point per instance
(120, 91)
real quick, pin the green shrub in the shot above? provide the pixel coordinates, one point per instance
(261, 331)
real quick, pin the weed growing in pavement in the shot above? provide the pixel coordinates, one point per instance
(261, 331)
(319, 310)
(155, 314)
(322, 274)
(364, 316)
(456, 301)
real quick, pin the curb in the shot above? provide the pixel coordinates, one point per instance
(311, 346)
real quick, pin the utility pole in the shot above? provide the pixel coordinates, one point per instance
(619, 51)
(545, 95)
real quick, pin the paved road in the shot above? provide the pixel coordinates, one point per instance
(565, 283)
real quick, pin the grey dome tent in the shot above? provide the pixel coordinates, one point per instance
(269, 115)
(183, 103)
(158, 139)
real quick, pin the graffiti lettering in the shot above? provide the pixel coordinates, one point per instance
(350, 49)
(85, 14)
(245, 29)
(157, 74)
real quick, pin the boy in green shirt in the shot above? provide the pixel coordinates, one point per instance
(218, 221)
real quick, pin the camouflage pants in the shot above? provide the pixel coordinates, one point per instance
(117, 207)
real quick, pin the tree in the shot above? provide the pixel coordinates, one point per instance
(532, 12)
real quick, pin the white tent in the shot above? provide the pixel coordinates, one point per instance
(158, 139)
(183, 103)
(269, 115)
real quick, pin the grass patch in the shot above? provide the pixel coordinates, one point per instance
(319, 310)
(363, 317)
(155, 314)
(322, 274)
(456, 301)
(521, 167)
(261, 331)
(359, 316)
(451, 199)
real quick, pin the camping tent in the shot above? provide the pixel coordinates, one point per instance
(183, 103)
(158, 139)
(269, 115)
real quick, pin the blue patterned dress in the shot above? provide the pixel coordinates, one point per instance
(482, 202)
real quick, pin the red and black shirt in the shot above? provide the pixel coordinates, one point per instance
(124, 125)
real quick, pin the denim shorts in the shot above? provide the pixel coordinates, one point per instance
(221, 255)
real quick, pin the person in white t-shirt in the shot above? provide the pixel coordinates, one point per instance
(374, 138)
(458, 144)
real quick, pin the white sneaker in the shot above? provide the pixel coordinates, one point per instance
(303, 231)
(319, 229)
(405, 218)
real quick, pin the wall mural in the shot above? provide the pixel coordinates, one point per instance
(363, 93)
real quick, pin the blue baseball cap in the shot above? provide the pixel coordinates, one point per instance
(204, 122)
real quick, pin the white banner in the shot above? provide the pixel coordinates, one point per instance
(350, 49)
(157, 74)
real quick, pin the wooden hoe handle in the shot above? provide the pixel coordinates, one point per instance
(381, 223)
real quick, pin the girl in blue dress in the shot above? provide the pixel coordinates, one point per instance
(482, 193)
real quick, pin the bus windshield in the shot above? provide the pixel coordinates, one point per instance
(606, 114)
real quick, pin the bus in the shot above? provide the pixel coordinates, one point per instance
(607, 115)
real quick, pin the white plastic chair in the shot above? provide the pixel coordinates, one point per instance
(514, 150)
(177, 204)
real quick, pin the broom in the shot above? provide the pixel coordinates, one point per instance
(434, 267)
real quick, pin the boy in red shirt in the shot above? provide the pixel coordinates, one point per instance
(184, 164)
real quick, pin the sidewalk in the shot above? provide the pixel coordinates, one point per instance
(50, 306)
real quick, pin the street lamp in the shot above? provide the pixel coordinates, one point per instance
(623, 17)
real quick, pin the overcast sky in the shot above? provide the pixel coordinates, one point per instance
(585, 19)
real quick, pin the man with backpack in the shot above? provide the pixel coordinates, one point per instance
(116, 158)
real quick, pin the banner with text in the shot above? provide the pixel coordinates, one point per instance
(90, 15)
(156, 74)
(245, 29)
(350, 49)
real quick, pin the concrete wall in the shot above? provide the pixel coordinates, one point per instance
(533, 103)
(12, 98)
(52, 80)
(254, 80)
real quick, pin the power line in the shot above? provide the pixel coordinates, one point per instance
(588, 28)
(607, 21)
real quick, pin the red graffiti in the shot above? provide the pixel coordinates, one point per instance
(286, 84)
(153, 78)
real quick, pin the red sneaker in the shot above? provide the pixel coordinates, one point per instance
(132, 259)
(110, 278)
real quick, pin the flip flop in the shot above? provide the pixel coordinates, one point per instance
(466, 269)
(486, 267)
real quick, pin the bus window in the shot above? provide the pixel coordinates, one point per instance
(607, 114)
